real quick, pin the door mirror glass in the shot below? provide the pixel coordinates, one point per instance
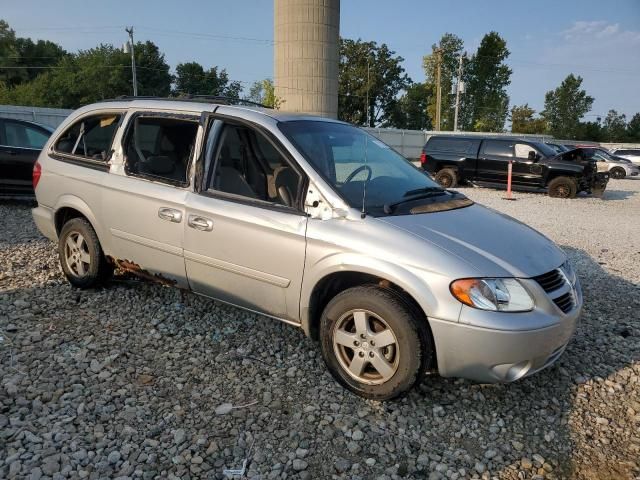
(533, 156)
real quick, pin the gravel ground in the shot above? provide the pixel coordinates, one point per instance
(142, 381)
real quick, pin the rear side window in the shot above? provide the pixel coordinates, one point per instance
(160, 148)
(90, 137)
(452, 145)
(627, 152)
(498, 147)
(17, 134)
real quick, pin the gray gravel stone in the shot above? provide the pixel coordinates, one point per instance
(137, 370)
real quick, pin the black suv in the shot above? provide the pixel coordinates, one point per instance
(535, 166)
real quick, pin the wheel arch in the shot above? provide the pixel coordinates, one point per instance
(327, 282)
(69, 207)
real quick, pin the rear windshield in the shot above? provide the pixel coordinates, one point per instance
(452, 145)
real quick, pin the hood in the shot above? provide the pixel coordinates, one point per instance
(492, 243)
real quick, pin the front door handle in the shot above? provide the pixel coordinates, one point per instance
(200, 223)
(170, 214)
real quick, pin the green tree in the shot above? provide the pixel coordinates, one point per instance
(369, 71)
(22, 59)
(485, 104)
(633, 128)
(565, 106)
(264, 92)
(192, 79)
(590, 131)
(410, 110)
(523, 120)
(92, 75)
(451, 47)
(615, 127)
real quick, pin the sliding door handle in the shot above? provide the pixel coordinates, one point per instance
(200, 223)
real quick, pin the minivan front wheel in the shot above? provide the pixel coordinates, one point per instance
(372, 343)
(81, 256)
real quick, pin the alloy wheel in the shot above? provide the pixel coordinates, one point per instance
(366, 347)
(76, 253)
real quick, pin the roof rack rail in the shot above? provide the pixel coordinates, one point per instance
(222, 100)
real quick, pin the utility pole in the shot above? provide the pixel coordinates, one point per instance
(133, 60)
(438, 53)
(458, 91)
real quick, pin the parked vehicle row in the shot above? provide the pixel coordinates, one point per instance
(535, 166)
(300, 218)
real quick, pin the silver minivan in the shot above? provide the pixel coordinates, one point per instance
(315, 223)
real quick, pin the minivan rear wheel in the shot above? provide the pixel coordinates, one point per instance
(447, 178)
(372, 342)
(562, 187)
(81, 256)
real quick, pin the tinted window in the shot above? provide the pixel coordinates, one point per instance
(21, 135)
(248, 164)
(160, 148)
(90, 137)
(498, 147)
(453, 145)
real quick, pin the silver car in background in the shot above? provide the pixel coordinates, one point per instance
(313, 222)
(632, 154)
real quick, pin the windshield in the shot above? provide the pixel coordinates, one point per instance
(356, 164)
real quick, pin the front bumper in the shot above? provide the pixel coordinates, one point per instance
(500, 353)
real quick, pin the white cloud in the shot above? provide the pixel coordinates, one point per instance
(582, 30)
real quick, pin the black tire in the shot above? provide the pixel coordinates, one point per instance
(447, 178)
(562, 187)
(617, 173)
(411, 353)
(97, 270)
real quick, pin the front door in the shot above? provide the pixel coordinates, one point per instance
(144, 198)
(526, 170)
(244, 240)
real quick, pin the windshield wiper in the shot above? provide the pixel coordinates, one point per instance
(412, 195)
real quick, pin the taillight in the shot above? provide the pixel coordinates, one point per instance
(37, 172)
(423, 158)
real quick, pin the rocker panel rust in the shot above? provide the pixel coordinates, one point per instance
(137, 270)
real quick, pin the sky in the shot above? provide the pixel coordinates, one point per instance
(598, 40)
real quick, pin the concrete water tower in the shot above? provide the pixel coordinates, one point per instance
(306, 53)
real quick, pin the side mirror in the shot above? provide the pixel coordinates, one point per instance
(533, 156)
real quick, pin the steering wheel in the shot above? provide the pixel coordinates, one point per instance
(357, 171)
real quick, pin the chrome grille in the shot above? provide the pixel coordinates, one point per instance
(550, 281)
(564, 302)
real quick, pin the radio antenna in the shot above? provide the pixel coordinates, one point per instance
(363, 213)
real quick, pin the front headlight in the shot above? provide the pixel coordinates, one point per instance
(496, 294)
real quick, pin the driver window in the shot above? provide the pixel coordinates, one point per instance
(522, 151)
(248, 165)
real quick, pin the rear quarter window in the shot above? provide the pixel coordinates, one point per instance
(90, 137)
(452, 145)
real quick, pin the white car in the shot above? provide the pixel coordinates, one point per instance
(632, 154)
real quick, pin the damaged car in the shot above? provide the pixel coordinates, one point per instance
(536, 167)
(313, 222)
